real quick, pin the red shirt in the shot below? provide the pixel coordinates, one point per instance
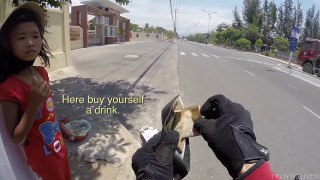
(44, 147)
(261, 170)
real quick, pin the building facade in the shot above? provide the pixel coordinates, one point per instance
(108, 26)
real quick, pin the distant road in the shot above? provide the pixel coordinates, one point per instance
(285, 110)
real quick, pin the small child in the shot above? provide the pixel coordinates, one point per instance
(25, 95)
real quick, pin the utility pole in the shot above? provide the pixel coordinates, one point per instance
(296, 25)
(175, 22)
(209, 13)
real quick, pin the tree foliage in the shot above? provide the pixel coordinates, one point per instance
(309, 21)
(237, 22)
(288, 17)
(315, 26)
(251, 11)
(134, 27)
(259, 43)
(252, 33)
(281, 44)
(243, 44)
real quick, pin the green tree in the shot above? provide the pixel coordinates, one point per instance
(281, 44)
(92, 24)
(218, 36)
(273, 14)
(237, 22)
(259, 43)
(231, 35)
(134, 27)
(222, 26)
(251, 11)
(252, 33)
(288, 18)
(300, 14)
(243, 44)
(280, 22)
(169, 34)
(160, 30)
(309, 21)
(269, 21)
(315, 25)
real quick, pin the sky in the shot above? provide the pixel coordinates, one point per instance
(191, 17)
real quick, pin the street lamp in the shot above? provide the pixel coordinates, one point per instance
(209, 13)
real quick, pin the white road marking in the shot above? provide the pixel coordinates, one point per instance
(269, 64)
(311, 112)
(237, 58)
(182, 53)
(250, 73)
(226, 57)
(277, 68)
(254, 61)
(292, 87)
(215, 56)
(243, 59)
(309, 79)
(204, 55)
(225, 60)
(194, 54)
(131, 56)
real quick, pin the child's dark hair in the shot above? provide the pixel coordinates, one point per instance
(17, 17)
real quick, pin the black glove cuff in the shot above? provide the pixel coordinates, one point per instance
(250, 149)
(252, 169)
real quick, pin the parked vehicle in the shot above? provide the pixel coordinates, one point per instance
(309, 56)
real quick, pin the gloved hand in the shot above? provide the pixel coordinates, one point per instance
(154, 160)
(228, 129)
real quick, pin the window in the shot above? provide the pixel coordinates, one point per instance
(310, 45)
(106, 20)
(110, 31)
(113, 32)
(79, 18)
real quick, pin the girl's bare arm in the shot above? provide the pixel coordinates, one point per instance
(18, 128)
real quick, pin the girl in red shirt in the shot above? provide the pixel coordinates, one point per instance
(25, 96)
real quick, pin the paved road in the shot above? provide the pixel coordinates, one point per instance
(285, 110)
(146, 69)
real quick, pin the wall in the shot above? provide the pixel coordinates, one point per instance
(58, 36)
(142, 36)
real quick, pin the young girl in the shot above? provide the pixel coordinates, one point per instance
(25, 96)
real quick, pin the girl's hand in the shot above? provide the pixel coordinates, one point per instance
(39, 92)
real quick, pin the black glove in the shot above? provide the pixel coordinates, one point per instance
(154, 160)
(228, 129)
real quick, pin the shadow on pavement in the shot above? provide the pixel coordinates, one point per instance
(104, 141)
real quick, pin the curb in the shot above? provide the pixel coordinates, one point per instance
(280, 60)
(126, 171)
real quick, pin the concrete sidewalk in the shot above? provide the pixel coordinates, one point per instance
(107, 150)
